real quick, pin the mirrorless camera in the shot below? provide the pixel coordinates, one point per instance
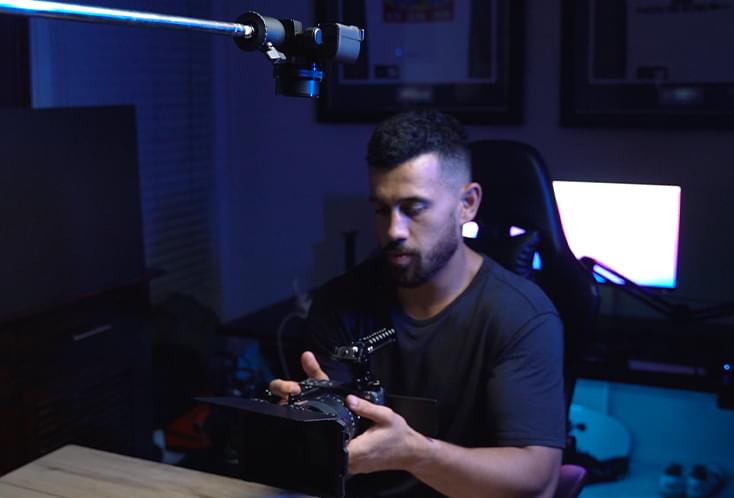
(301, 445)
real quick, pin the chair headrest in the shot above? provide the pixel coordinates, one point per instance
(517, 190)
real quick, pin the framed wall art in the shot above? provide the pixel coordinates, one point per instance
(463, 57)
(661, 63)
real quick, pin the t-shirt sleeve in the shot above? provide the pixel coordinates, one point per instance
(525, 388)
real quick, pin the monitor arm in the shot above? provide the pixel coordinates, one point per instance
(676, 312)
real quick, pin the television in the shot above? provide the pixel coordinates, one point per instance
(70, 214)
(631, 228)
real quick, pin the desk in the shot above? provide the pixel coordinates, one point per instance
(78, 472)
(660, 353)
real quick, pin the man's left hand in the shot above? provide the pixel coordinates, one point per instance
(390, 444)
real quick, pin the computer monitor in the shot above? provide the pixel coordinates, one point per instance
(631, 228)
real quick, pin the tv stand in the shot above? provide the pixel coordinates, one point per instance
(77, 373)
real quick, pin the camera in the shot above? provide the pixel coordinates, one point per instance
(301, 445)
(329, 397)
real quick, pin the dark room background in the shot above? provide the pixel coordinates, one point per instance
(247, 197)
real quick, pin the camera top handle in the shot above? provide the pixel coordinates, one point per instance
(358, 354)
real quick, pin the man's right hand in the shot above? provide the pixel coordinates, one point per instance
(312, 369)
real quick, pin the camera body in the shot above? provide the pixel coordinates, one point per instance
(329, 397)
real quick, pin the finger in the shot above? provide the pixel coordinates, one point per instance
(282, 388)
(311, 366)
(377, 413)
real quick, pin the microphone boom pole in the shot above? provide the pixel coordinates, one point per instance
(297, 54)
(57, 10)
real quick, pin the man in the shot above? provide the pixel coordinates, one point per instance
(483, 342)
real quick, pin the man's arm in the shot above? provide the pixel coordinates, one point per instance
(391, 444)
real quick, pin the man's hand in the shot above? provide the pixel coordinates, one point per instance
(312, 369)
(390, 444)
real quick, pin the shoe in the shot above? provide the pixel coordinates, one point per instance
(703, 481)
(672, 483)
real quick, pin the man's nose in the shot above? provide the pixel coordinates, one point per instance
(398, 226)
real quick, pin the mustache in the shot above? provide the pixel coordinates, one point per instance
(396, 246)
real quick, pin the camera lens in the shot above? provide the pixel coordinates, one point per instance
(331, 404)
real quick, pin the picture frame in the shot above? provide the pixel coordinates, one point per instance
(15, 77)
(647, 63)
(461, 57)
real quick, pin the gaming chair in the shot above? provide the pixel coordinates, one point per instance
(518, 194)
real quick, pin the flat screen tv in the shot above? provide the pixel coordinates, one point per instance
(631, 228)
(70, 212)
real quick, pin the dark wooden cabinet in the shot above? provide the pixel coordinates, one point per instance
(79, 373)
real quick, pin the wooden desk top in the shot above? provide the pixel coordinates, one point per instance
(78, 472)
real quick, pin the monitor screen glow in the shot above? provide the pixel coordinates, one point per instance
(631, 228)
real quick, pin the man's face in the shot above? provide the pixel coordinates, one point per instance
(417, 218)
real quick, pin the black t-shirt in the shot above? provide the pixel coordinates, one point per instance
(493, 359)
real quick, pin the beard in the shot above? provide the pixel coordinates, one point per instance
(422, 266)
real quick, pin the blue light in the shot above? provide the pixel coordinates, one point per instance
(604, 274)
(727, 367)
(537, 263)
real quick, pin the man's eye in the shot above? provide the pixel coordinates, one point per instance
(414, 209)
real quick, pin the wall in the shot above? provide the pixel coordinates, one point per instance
(279, 172)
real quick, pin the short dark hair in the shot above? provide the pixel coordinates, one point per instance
(407, 135)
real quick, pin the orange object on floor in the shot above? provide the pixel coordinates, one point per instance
(187, 431)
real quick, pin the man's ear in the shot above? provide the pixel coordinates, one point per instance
(470, 199)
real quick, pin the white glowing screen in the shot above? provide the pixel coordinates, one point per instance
(631, 228)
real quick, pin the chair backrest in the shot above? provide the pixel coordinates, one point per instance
(518, 192)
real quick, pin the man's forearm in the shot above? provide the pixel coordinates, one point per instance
(487, 472)
(391, 444)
